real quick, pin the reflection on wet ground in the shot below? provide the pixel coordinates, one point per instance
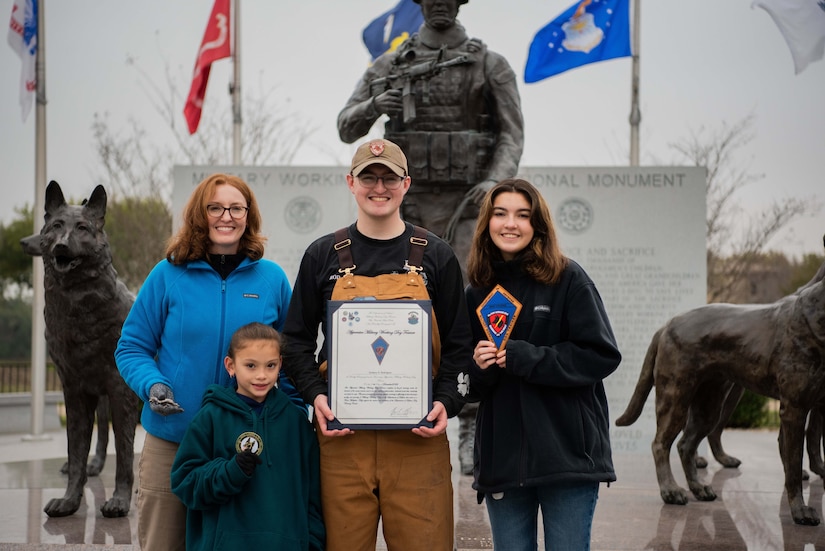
(751, 511)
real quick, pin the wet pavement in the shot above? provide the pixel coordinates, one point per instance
(751, 511)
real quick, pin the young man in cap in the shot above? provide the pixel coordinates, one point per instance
(467, 133)
(399, 475)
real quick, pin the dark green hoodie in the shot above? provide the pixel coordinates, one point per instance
(279, 506)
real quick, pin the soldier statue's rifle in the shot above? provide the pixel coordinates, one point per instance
(405, 80)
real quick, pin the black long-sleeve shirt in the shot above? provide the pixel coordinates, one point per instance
(313, 288)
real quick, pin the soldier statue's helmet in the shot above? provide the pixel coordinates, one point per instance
(458, 4)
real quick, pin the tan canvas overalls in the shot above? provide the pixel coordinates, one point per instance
(394, 475)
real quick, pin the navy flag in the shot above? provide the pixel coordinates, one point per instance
(390, 29)
(587, 32)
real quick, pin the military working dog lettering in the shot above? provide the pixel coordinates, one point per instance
(698, 357)
(85, 307)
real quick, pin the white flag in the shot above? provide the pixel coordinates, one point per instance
(802, 23)
(23, 40)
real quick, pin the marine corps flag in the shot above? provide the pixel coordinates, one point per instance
(215, 46)
(390, 29)
(588, 31)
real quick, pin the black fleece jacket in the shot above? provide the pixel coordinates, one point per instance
(544, 417)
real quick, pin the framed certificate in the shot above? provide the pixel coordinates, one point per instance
(380, 363)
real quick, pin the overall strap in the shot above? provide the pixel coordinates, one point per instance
(407, 286)
(341, 245)
(418, 241)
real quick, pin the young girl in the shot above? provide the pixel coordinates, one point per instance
(542, 429)
(247, 467)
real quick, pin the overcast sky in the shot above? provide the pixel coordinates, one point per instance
(703, 63)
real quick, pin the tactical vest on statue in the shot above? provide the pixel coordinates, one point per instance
(451, 139)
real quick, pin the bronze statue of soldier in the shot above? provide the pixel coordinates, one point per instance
(454, 108)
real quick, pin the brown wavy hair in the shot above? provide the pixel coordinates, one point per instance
(192, 240)
(542, 258)
(254, 331)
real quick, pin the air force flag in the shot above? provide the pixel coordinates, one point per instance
(588, 31)
(387, 31)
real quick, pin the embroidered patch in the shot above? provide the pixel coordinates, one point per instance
(377, 147)
(251, 295)
(249, 441)
(497, 322)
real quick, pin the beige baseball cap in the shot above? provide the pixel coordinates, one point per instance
(382, 152)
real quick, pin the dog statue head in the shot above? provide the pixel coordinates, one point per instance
(54, 200)
(94, 207)
(72, 235)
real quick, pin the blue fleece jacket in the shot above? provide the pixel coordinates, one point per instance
(179, 328)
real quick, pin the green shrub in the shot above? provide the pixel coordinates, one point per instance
(750, 413)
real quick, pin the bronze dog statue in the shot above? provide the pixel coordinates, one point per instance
(31, 246)
(813, 432)
(85, 305)
(698, 358)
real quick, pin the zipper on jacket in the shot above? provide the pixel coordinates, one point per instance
(221, 333)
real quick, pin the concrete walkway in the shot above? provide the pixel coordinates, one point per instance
(751, 511)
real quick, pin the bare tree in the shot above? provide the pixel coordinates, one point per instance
(732, 254)
(271, 132)
(135, 164)
(131, 164)
(136, 168)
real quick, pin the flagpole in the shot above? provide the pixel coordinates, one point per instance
(235, 88)
(38, 367)
(635, 113)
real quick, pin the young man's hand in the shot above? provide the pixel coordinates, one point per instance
(323, 415)
(438, 417)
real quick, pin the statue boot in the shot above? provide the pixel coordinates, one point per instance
(466, 436)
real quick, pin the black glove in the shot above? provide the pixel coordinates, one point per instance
(247, 461)
(162, 400)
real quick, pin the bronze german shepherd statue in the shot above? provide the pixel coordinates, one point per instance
(698, 357)
(85, 306)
